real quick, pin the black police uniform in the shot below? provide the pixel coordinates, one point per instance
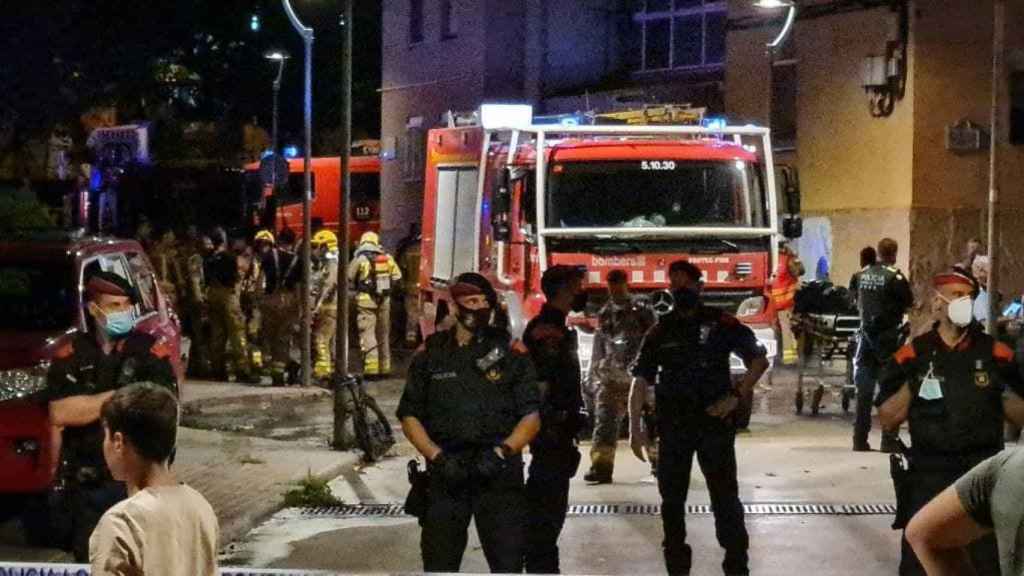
(952, 433)
(555, 457)
(469, 399)
(687, 357)
(85, 488)
(883, 296)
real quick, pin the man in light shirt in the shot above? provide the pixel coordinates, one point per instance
(163, 527)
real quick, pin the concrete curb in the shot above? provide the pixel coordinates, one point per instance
(303, 395)
(237, 528)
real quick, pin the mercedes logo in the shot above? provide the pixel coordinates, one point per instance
(662, 302)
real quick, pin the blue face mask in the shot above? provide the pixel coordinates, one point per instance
(117, 324)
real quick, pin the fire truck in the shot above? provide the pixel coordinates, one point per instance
(507, 196)
(283, 207)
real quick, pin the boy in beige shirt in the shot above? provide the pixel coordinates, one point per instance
(163, 528)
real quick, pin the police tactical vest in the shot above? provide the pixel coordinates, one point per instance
(879, 311)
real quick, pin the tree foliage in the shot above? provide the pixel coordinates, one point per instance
(175, 62)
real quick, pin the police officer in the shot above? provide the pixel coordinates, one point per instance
(552, 347)
(622, 324)
(277, 304)
(687, 357)
(953, 385)
(883, 296)
(470, 406)
(82, 376)
(227, 322)
(374, 274)
(324, 292)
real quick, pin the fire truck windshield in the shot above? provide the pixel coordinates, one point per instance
(656, 194)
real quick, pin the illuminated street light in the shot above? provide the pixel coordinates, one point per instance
(279, 56)
(790, 18)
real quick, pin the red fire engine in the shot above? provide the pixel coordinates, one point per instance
(509, 197)
(284, 209)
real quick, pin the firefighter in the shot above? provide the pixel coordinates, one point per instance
(954, 386)
(277, 304)
(373, 274)
(82, 376)
(250, 291)
(409, 261)
(784, 287)
(470, 406)
(687, 357)
(227, 322)
(556, 458)
(883, 296)
(622, 323)
(169, 272)
(324, 293)
(195, 306)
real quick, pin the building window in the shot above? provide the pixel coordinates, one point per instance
(784, 104)
(415, 21)
(413, 150)
(680, 34)
(1017, 108)
(449, 23)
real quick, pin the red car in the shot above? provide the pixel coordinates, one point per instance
(41, 308)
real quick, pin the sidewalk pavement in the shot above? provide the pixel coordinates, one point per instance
(245, 478)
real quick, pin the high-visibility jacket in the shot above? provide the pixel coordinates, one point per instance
(785, 285)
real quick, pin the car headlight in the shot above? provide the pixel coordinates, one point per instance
(22, 382)
(750, 307)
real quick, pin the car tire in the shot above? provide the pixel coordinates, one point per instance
(36, 522)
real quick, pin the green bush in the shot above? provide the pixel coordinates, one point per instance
(17, 214)
(311, 493)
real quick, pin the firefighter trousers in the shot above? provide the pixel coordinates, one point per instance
(325, 328)
(374, 326)
(227, 333)
(279, 313)
(611, 407)
(714, 446)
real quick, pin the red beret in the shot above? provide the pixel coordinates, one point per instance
(463, 289)
(950, 278)
(108, 283)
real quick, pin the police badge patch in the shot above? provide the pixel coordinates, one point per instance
(981, 379)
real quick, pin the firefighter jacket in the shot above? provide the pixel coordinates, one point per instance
(373, 274)
(956, 409)
(324, 289)
(222, 270)
(620, 332)
(883, 295)
(280, 270)
(787, 281)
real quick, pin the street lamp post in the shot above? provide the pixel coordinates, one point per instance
(774, 45)
(307, 39)
(280, 57)
(342, 440)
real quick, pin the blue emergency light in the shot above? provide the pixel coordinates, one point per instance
(714, 123)
(291, 151)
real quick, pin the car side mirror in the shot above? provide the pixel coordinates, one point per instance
(793, 227)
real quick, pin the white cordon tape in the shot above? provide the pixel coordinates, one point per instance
(44, 569)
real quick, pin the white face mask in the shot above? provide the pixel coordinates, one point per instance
(960, 311)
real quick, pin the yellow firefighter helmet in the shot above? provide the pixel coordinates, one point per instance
(326, 237)
(264, 236)
(370, 238)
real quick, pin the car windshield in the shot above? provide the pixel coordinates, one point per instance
(655, 194)
(36, 296)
